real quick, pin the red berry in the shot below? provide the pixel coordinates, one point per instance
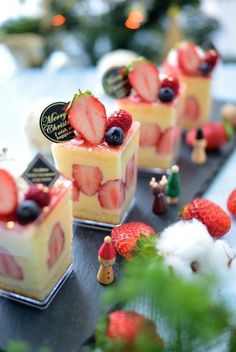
(144, 78)
(55, 245)
(231, 203)
(87, 115)
(129, 327)
(211, 57)
(149, 134)
(189, 59)
(111, 194)
(87, 179)
(120, 118)
(39, 194)
(170, 81)
(9, 266)
(8, 193)
(214, 133)
(210, 214)
(166, 142)
(124, 237)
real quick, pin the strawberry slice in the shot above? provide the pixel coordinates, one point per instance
(189, 59)
(9, 266)
(191, 108)
(8, 193)
(130, 172)
(144, 78)
(149, 134)
(87, 115)
(166, 142)
(55, 245)
(75, 193)
(112, 194)
(87, 178)
(124, 237)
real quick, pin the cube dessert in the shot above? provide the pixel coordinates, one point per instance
(154, 101)
(101, 160)
(194, 69)
(35, 236)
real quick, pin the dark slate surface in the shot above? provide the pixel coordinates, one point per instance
(71, 318)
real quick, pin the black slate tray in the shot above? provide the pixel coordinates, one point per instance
(71, 318)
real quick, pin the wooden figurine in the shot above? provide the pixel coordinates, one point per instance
(158, 190)
(173, 186)
(198, 155)
(106, 258)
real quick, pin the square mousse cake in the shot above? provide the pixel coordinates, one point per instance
(194, 68)
(153, 101)
(159, 134)
(35, 236)
(101, 161)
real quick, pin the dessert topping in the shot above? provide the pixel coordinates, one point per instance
(144, 78)
(54, 123)
(188, 58)
(170, 81)
(120, 118)
(124, 237)
(87, 115)
(166, 95)
(8, 193)
(211, 58)
(114, 136)
(115, 82)
(27, 211)
(39, 193)
(205, 69)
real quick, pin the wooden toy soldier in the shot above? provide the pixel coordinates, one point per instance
(198, 155)
(159, 202)
(106, 258)
(173, 186)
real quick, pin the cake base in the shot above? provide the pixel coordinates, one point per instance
(102, 225)
(34, 302)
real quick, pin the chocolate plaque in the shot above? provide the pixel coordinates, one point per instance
(40, 171)
(54, 123)
(115, 82)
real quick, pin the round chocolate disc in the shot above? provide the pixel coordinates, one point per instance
(115, 83)
(54, 123)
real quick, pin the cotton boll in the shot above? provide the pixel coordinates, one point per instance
(222, 260)
(186, 244)
(186, 239)
(32, 129)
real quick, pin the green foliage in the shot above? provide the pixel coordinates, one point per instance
(22, 25)
(21, 346)
(190, 313)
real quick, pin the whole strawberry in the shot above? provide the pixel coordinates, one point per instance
(231, 202)
(216, 134)
(124, 237)
(128, 327)
(210, 214)
(120, 118)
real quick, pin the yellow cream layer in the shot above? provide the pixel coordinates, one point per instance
(112, 163)
(162, 114)
(200, 89)
(30, 251)
(165, 116)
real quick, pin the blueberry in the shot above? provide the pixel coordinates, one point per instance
(166, 94)
(27, 211)
(114, 136)
(205, 68)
